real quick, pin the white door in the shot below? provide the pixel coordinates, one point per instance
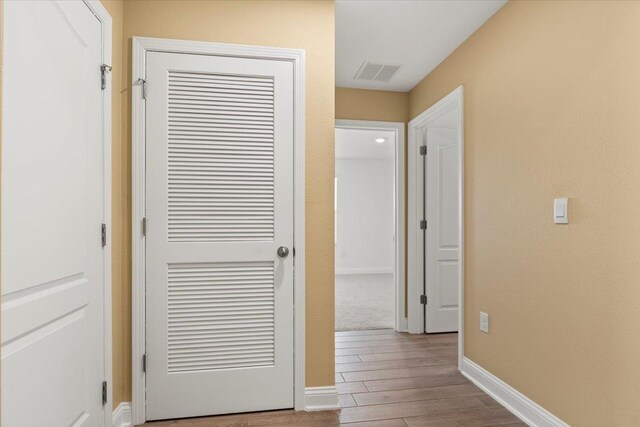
(219, 204)
(52, 210)
(442, 193)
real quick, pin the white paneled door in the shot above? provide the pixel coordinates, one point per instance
(52, 211)
(442, 192)
(219, 221)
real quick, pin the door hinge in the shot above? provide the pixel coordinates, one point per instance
(104, 393)
(143, 83)
(144, 226)
(103, 234)
(423, 150)
(423, 299)
(423, 224)
(104, 68)
(144, 363)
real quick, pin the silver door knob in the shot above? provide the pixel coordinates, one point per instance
(283, 251)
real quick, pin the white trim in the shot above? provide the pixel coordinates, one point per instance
(519, 404)
(96, 7)
(415, 312)
(321, 398)
(138, 254)
(347, 271)
(298, 58)
(141, 45)
(398, 128)
(403, 325)
(122, 415)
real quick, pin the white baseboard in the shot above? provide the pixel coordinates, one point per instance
(321, 398)
(402, 325)
(315, 399)
(520, 405)
(364, 270)
(122, 415)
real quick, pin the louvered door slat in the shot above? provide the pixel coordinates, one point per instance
(217, 178)
(219, 307)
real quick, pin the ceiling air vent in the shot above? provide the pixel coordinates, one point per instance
(376, 72)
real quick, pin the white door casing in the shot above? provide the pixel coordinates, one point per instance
(55, 189)
(219, 203)
(442, 250)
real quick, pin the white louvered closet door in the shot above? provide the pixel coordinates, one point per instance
(219, 179)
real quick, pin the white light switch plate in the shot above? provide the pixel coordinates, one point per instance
(561, 210)
(484, 322)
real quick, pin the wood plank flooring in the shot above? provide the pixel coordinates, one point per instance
(408, 380)
(387, 379)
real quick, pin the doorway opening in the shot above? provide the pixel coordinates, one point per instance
(369, 226)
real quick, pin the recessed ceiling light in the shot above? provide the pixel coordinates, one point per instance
(380, 140)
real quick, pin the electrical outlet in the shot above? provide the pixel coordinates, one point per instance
(484, 322)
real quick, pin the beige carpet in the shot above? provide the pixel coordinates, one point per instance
(364, 301)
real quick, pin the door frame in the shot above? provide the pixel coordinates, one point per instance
(414, 247)
(400, 323)
(96, 7)
(140, 47)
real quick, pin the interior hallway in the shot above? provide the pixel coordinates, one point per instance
(388, 379)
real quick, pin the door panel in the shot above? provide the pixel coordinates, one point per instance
(219, 203)
(52, 210)
(220, 157)
(442, 209)
(236, 300)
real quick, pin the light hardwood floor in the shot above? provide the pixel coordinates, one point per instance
(387, 379)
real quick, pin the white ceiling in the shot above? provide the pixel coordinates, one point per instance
(417, 34)
(361, 144)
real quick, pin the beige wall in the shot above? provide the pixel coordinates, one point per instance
(376, 105)
(552, 109)
(305, 25)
